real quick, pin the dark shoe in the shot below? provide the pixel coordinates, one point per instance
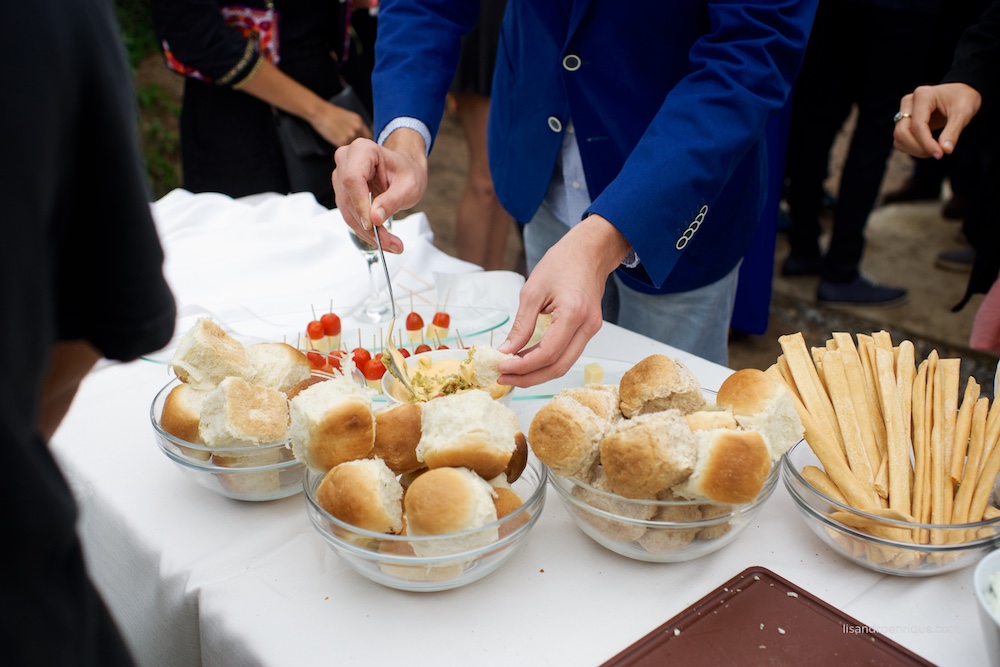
(959, 260)
(801, 266)
(955, 208)
(909, 192)
(862, 291)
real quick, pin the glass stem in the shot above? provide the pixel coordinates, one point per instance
(372, 283)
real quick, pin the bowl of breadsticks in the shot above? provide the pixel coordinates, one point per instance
(899, 462)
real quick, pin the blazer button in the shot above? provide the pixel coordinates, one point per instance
(571, 63)
(555, 124)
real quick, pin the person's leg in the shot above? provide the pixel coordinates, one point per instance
(821, 102)
(892, 71)
(482, 223)
(695, 321)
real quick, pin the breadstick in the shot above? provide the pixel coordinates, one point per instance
(970, 475)
(810, 388)
(984, 487)
(859, 394)
(883, 340)
(992, 433)
(831, 455)
(938, 511)
(906, 369)
(948, 371)
(919, 445)
(822, 483)
(898, 448)
(963, 428)
(866, 347)
(854, 448)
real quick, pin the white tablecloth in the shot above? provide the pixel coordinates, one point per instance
(194, 578)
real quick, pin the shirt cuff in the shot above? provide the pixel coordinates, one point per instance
(409, 123)
(631, 259)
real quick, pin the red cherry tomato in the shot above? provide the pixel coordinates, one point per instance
(361, 357)
(442, 320)
(331, 324)
(315, 330)
(374, 370)
(404, 352)
(414, 322)
(423, 347)
(442, 347)
(318, 360)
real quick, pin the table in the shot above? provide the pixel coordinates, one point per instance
(194, 578)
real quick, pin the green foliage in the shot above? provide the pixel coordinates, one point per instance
(160, 143)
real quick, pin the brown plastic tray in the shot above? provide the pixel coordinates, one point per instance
(758, 618)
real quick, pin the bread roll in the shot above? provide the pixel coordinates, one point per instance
(706, 420)
(332, 422)
(507, 502)
(206, 355)
(519, 459)
(761, 403)
(470, 430)
(644, 455)
(712, 511)
(659, 383)
(397, 433)
(277, 365)
(485, 360)
(364, 493)
(443, 501)
(566, 436)
(731, 467)
(258, 484)
(304, 384)
(602, 399)
(237, 413)
(181, 416)
(602, 497)
(666, 540)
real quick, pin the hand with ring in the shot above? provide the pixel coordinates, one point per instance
(947, 107)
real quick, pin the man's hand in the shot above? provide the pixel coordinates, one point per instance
(568, 282)
(395, 173)
(928, 108)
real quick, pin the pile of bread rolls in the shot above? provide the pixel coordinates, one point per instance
(433, 468)
(653, 436)
(233, 397)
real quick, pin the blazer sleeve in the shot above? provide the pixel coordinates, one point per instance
(418, 45)
(741, 73)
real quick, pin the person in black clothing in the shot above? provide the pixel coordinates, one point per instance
(81, 279)
(966, 97)
(242, 63)
(859, 55)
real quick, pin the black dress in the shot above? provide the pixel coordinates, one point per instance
(228, 139)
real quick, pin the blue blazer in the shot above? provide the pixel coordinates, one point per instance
(669, 100)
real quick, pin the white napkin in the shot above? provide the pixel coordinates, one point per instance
(271, 252)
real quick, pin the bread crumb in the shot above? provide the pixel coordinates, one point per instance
(792, 594)
(761, 646)
(756, 578)
(677, 632)
(761, 626)
(781, 631)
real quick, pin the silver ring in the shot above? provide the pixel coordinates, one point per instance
(900, 116)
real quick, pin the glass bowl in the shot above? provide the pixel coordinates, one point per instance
(390, 560)
(256, 473)
(389, 382)
(679, 530)
(955, 545)
(987, 583)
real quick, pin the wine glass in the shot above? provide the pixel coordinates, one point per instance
(372, 310)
